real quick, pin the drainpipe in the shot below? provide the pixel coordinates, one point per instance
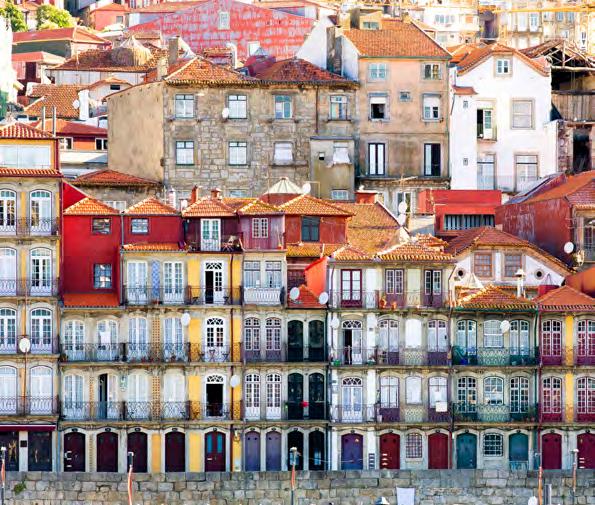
(317, 114)
(537, 388)
(121, 251)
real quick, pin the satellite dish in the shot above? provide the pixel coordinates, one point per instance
(234, 382)
(532, 501)
(24, 345)
(568, 247)
(294, 294)
(504, 326)
(334, 322)
(185, 319)
(402, 207)
(306, 188)
(76, 104)
(225, 113)
(401, 219)
(323, 298)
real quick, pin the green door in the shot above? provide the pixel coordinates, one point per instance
(518, 451)
(466, 451)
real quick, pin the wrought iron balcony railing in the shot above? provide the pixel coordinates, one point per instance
(180, 295)
(30, 227)
(33, 287)
(388, 356)
(494, 413)
(488, 356)
(289, 410)
(286, 354)
(385, 301)
(28, 406)
(389, 413)
(38, 346)
(227, 243)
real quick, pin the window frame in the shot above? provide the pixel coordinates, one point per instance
(242, 103)
(106, 229)
(283, 107)
(377, 69)
(310, 223)
(386, 115)
(259, 227)
(414, 446)
(283, 146)
(236, 146)
(102, 270)
(380, 169)
(501, 64)
(476, 264)
(188, 102)
(493, 445)
(432, 75)
(184, 146)
(340, 105)
(101, 143)
(136, 220)
(513, 114)
(434, 112)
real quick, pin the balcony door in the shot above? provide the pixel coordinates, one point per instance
(465, 352)
(8, 331)
(351, 288)
(352, 400)
(174, 396)
(138, 406)
(273, 392)
(295, 341)
(74, 407)
(41, 212)
(210, 234)
(108, 407)
(252, 397)
(316, 341)
(214, 293)
(41, 272)
(316, 396)
(107, 336)
(215, 396)
(40, 390)
(295, 396)
(41, 331)
(8, 272)
(352, 343)
(137, 282)
(8, 390)
(215, 350)
(173, 339)
(173, 282)
(8, 212)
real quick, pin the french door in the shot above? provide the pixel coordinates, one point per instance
(8, 331)
(41, 272)
(73, 397)
(8, 390)
(74, 338)
(210, 234)
(214, 293)
(138, 346)
(137, 289)
(40, 390)
(8, 212)
(352, 400)
(351, 288)
(252, 400)
(138, 397)
(173, 341)
(41, 212)
(8, 272)
(173, 282)
(175, 396)
(107, 336)
(273, 399)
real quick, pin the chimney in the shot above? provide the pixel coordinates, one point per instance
(54, 120)
(173, 47)
(83, 104)
(43, 118)
(365, 196)
(161, 68)
(216, 193)
(194, 194)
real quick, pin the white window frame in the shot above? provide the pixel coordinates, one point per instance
(184, 152)
(431, 107)
(283, 153)
(184, 106)
(223, 22)
(238, 152)
(260, 227)
(377, 71)
(238, 106)
(518, 119)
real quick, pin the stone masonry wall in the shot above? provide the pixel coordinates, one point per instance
(433, 487)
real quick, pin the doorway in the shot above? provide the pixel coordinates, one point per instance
(518, 451)
(252, 451)
(273, 451)
(551, 451)
(586, 450)
(466, 451)
(352, 452)
(295, 341)
(137, 444)
(315, 341)
(214, 390)
(295, 439)
(390, 451)
(214, 282)
(74, 452)
(438, 451)
(175, 452)
(316, 451)
(107, 452)
(10, 440)
(316, 402)
(295, 396)
(215, 452)
(39, 451)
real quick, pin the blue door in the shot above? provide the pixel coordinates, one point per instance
(252, 451)
(352, 452)
(467, 451)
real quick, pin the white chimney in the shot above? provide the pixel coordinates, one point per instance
(83, 104)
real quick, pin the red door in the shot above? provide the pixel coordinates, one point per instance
(214, 452)
(74, 452)
(390, 451)
(137, 444)
(438, 451)
(586, 450)
(175, 452)
(107, 452)
(551, 451)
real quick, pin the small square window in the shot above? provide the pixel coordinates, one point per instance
(310, 229)
(223, 20)
(184, 152)
(101, 144)
(102, 226)
(283, 152)
(377, 71)
(260, 227)
(238, 153)
(503, 66)
(139, 225)
(66, 143)
(465, 104)
(431, 71)
(465, 162)
(339, 194)
(237, 106)
(282, 107)
(378, 107)
(404, 96)
(102, 276)
(522, 114)
(115, 87)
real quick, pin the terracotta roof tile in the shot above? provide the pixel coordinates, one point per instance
(64, 127)
(37, 57)
(104, 60)
(350, 253)
(311, 206)
(311, 249)
(492, 297)
(568, 188)
(76, 34)
(61, 96)
(565, 298)
(255, 207)
(478, 55)
(90, 207)
(306, 300)
(98, 300)
(18, 130)
(109, 177)
(431, 241)
(296, 70)
(399, 39)
(167, 7)
(413, 251)
(464, 90)
(208, 207)
(29, 172)
(151, 207)
(199, 70)
(155, 247)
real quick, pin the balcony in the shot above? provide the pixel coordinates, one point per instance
(263, 296)
(388, 413)
(304, 354)
(555, 415)
(291, 410)
(584, 356)
(178, 295)
(488, 356)
(494, 413)
(227, 243)
(353, 413)
(384, 301)
(391, 356)
(28, 406)
(585, 414)
(353, 299)
(9, 346)
(551, 359)
(29, 287)
(27, 227)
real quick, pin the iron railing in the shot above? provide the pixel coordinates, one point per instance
(180, 295)
(388, 356)
(388, 413)
(289, 410)
(494, 413)
(44, 346)
(263, 296)
(227, 243)
(32, 287)
(286, 353)
(583, 355)
(377, 299)
(30, 227)
(552, 359)
(488, 356)
(28, 406)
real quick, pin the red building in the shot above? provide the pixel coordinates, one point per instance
(75, 136)
(106, 15)
(152, 221)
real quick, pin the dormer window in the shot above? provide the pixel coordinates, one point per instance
(223, 20)
(260, 227)
(139, 226)
(503, 66)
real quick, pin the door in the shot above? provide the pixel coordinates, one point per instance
(41, 212)
(316, 341)
(316, 396)
(433, 288)
(40, 391)
(352, 343)
(390, 451)
(295, 341)
(137, 444)
(39, 450)
(252, 451)
(252, 396)
(10, 440)
(273, 392)
(107, 341)
(175, 452)
(174, 387)
(8, 272)
(138, 405)
(273, 451)
(295, 439)
(214, 390)
(138, 346)
(316, 451)
(295, 396)
(518, 451)
(173, 339)
(352, 400)
(351, 288)
(438, 451)
(107, 452)
(210, 234)
(74, 341)
(215, 348)
(137, 282)
(73, 405)
(173, 282)
(74, 452)
(214, 452)
(432, 160)
(466, 451)
(586, 450)
(8, 390)
(108, 407)
(214, 293)
(8, 212)
(352, 452)
(41, 272)
(551, 451)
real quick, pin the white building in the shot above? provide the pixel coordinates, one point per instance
(501, 135)
(8, 76)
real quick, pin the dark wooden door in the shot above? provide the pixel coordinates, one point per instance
(214, 452)
(295, 341)
(296, 439)
(74, 452)
(252, 451)
(40, 451)
(107, 452)
(273, 449)
(390, 451)
(352, 452)
(467, 451)
(10, 440)
(518, 451)
(316, 402)
(295, 396)
(316, 450)
(175, 452)
(551, 451)
(137, 444)
(315, 341)
(586, 450)
(438, 451)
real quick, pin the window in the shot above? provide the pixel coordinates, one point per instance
(184, 106)
(8, 205)
(431, 71)
(485, 129)
(338, 107)
(283, 152)
(377, 71)
(559, 17)
(404, 96)
(253, 47)
(238, 153)
(282, 107)
(239, 193)
(66, 143)
(432, 163)
(551, 395)
(273, 334)
(413, 390)
(215, 332)
(466, 221)
(339, 194)
(252, 334)
(486, 171)
(585, 389)
(533, 21)
(526, 170)
(341, 153)
(438, 391)
(407, 197)
(519, 338)
(482, 264)
(389, 392)
(252, 274)
(586, 338)
(184, 152)
(492, 334)
(492, 444)
(431, 107)
(8, 330)
(119, 205)
(223, 20)
(388, 336)
(437, 336)
(413, 446)
(467, 336)
(522, 114)
(551, 337)
(102, 276)
(467, 394)
(376, 159)
(310, 229)
(21, 156)
(502, 66)
(102, 226)
(139, 225)
(41, 329)
(521, 19)
(370, 25)
(378, 107)
(493, 391)
(237, 106)
(394, 281)
(519, 395)
(433, 282)
(260, 227)
(512, 263)
(101, 144)
(273, 274)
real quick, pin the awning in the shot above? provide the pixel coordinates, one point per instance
(26, 427)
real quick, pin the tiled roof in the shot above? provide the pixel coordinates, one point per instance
(155, 247)
(61, 96)
(64, 127)
(208, 207)
(296, 70)
(151, 207)
(102, 60)
(413, 251)
(310, 206)
(492, 297)
(29, 172)
(109, 177)
(401, 39)
(109, 80)
(430, 241)
(199, 70)
(255, 207)
(98, 300)
(311, 249)
(350, 253)
(167, 7)
(306, 300)
(564, 299)
(75, 34)
(111, 7)
(37, 57)
(573, 184)
(90, 207)
(18, 130)
(464, 90)
(479, 54)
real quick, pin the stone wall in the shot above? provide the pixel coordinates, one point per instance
(433, 487)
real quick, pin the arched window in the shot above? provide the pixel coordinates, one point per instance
(437, 336)
(551, 390)
(519, 337)
(586, 342)
(519, 395)
(492, 334)
(41, 272)
(216, 350)
(493, 444)
(273, 334)
(74, 340)
(41, 390)
(215, 379)
(353, 352)
(8, 331)
(8, 211)
(551, 340)
(8, 271)
(388, 334)
(41, 330)
(352, 408)
(8, 390)
(413, 446)
(138, 339)
(252, 334)
(389, 391)
(493, 391)
(252, 396)
(41, 212)
(413, 390)
(585, 389)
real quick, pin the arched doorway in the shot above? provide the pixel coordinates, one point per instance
(352, 452)
(252, 451)
(438, 451)
(295, 396)
(215, 451)
(466, 451)
(316, 450)
(296, 439)
(586, 450)
(315, 341)
(273, 451)
(137, 444)
(74, 452)
(39, 451)
(107, 452)
(316, 396)
(551, 451)
(175, 452)
(390, 451)
(518, 451)
(295, 341)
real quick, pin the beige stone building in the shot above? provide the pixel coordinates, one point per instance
(209, 126)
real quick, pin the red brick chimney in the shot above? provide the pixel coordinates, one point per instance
(365, 196)
(194, 195)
